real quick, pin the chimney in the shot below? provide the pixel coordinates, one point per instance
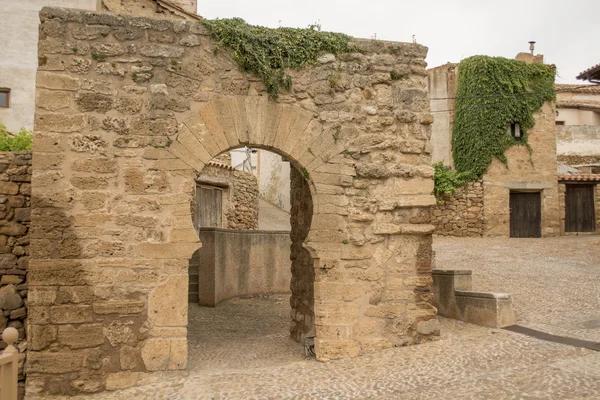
(530, 57)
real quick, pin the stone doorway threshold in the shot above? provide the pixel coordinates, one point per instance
(586, 344)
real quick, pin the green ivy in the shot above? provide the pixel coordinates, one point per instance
(492, 93)
(447, 181)
(267, 52)
(19, 142)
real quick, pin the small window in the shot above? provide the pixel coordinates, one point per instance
(4, 97)
(514, 130)
(560, 122)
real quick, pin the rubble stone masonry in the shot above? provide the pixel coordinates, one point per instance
(461, 213)
(15, 212)
(130, 109)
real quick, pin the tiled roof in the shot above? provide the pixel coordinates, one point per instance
(580, 178)
(220, 165)
(587, 104)
(590, 73)
(574, 88)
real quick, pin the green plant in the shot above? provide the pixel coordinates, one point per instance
(98, 56)
(397, 76)
(492, 93)
(334, 80)
(305, 173)
(19, 142)
(447, 181)
(267, 52)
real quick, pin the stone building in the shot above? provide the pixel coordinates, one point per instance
(578, 126)
(118, 145)
(19, 60)
(529, 180)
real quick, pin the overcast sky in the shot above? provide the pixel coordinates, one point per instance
(566, 32)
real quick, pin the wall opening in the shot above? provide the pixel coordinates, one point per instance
(251, 283)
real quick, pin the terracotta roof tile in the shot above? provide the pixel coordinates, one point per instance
(220, 165)
(590, 73)
(574, 88)
(586, 104)
(580, 178)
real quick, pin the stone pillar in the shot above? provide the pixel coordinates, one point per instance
(303, 274)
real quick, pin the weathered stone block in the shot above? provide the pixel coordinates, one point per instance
(41, 336)
(9, 298)
(80, 337)
(108, 49)
(94, 102)
(55, 363)
(55, 81)
(59, 122)
(167, 307)
(161, 50)
(71, 314)
(119, 307)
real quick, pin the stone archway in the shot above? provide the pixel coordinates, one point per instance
(129, 108)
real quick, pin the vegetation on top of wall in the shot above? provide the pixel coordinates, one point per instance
(491, 94)
(267, 52)
(447, 181)
(19, 142)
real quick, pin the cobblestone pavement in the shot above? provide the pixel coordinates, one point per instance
(555, 282)
(240, 349)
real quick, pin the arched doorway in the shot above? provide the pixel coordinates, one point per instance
(252, 282)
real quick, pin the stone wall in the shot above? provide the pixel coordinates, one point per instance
(578, 144)
(19, 61)
(240, 195)
(303, 273)
(15, 211)
(461, 213)
(572, 159)
(122, 128)
(235, 263)
(525, 170)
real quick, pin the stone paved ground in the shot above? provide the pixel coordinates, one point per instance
(240, 349)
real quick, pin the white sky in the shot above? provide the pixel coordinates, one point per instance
(566, 32)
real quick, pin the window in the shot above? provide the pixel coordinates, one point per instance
(514, 130)
(4, 97)
(560, 122)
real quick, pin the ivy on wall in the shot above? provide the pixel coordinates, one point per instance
(17, 142)
(267, 52)
(492, 93)
(447, 181)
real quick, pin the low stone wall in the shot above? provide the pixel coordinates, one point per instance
(234, 263)
(15, 203)
(460, 214)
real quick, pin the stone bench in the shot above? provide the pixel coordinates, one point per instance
(454, 297)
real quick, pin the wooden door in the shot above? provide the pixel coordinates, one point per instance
(579, 209)
(525, 214)
(208, 207)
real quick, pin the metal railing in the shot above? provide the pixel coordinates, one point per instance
(9, 366)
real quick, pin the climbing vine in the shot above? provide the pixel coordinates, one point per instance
(15, 142)
(267, 52)
(491, 94)
(448, 181)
